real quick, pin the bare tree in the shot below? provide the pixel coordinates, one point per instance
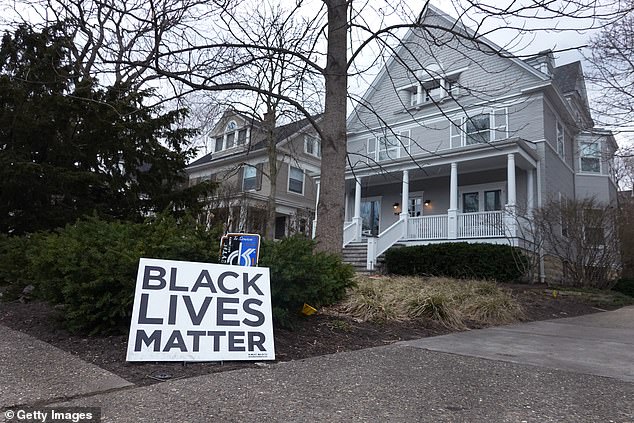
(583, 235)
(612, 69)
(205, 46)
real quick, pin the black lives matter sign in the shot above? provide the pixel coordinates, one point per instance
(186, 311)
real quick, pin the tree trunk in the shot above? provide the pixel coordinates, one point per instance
(269, 126)
(334, 145)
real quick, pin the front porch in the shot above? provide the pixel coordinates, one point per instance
(467, 198)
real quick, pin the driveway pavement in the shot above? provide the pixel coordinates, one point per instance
(522, 373)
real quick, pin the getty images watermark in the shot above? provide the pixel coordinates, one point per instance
(54, 414)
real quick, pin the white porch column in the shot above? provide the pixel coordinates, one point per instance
(452, 213)
(511, 218)
(530, 191)
(405, 202)
(510, 176)
(316, 205)
(357, 209)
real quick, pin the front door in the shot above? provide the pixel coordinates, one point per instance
(370, 214)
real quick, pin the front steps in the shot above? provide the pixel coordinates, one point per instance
(356, 254)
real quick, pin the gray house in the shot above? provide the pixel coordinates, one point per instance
(454, 139)
(240, 164)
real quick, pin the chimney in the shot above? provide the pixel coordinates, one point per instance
(544, 61)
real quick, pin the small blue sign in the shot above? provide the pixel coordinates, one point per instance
(240, 249)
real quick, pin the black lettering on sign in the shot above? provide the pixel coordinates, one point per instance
(154, 273)
(235, 343)
(221, 311)
(216, 334)
(173, 286)
(175, 341)
(204, 276)
(253, 312)
(171, 315)
(143, 319)
(196, 334)
(196, 318)
(221, 282)
(250, 283)
(256, 339)
(141, 337)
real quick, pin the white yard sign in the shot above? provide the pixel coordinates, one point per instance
(186, 311)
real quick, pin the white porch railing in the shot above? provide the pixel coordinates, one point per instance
(481, 224)
(349, 232)
(387, 238)
(427, 227)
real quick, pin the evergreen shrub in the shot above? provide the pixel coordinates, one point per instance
(90, 267)
(459, 260)
(300, 275)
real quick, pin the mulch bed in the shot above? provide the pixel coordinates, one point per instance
(326, 332)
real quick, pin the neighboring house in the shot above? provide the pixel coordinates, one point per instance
(240, 164)
(453, 140)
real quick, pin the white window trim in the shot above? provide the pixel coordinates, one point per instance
(417, 194)
(588, 172)
(288, 182)
(236, 136)
(316, 146)
(494, 131)
(244, 177)
(402, 147)
(424, 77)
(561, 151)
(480, 189)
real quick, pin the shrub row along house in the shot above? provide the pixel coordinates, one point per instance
(454, 139)
(239, 162)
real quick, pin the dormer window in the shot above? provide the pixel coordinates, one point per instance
(232, 137)
(432, 85)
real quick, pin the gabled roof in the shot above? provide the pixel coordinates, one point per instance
(455, 24)
(282, 133)
(285, 131)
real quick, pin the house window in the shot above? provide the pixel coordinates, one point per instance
(219, 143)
(312, 146)
(415, 207)
(432, 90)
(249, 182)
(477, 198)
(242, 136)
(590, 157)
(388, 148)
(470, 202)
(230, 139)
(560, 140)
(478, 129)
(296, 180)
(493, 200)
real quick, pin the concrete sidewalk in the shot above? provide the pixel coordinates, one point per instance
(413, 382)
(34, 372)
(600, 344)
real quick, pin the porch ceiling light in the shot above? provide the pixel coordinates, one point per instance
(397, 208)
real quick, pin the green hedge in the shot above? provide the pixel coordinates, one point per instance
(299, 275)
(90, 267)
(458, 260)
